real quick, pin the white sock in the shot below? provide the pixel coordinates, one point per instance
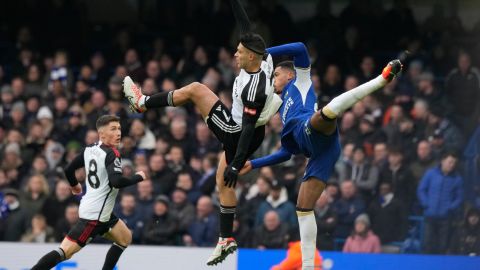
(308, 238)
(346, 100)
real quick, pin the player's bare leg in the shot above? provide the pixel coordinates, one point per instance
(324, 120)
(64, 252)
(228, 201)
(310, 191)
(199, 94)
(121, 237)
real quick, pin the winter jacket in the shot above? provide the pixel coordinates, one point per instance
(347, 212)
(326, 223)
(440, 194)
(358, 244)
(204, 232)
(135, 222)
(161, 230)
(403, 183)
(284, 208)
(277, 238)
(389, 219)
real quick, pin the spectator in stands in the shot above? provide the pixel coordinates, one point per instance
(145, 197)
(242, 234)
(256, 195)
(362, 240)
(130, 214)
(427, 90)
(380, 155)
(54, 207)
(423, 161)
(277, 201)
(176, 160)
(363, 174)
(162, 227)
(143, 136)
(183, 209)
(204, 229)
(326, 218)
(440, 194)
(271, 233)
(388, 215)
(348, 207)
(185, 182)
(466, 240)
(134, 66)
(13, 162)
(442, 133)
(35, 195)
(17, 220)
(207, 181)
(462, 90)
(369, 134)
(39, 232)
(205, 143)
(400, 176)
(163, 178)
(66, 223)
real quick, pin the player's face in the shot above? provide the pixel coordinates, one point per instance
(111, 134)
(282, 77)
(242, 56)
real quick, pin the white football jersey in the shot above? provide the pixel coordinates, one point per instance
(99, 199)
(254, 90)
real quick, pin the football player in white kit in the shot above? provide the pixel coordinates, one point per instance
(240, 130)
(102, 163)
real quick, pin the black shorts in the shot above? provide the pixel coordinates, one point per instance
(227, 131)
(85, 230)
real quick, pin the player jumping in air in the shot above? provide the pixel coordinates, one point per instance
(313, 134)
(241, 131)
(104, 177)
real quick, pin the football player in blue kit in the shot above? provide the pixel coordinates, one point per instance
(310, 132)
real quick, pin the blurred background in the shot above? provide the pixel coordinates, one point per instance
(62, 64)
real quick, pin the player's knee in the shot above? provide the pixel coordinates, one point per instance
(127, 239)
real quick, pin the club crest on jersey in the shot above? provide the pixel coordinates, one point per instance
(307, 129)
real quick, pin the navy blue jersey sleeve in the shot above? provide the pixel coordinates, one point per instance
(280, 156)
(298, 50)
(113, 163)
(77, 163)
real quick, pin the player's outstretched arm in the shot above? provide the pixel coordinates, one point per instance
(70, 169)
(114, 170)
(280, 156)
(298, 50)
(241, 17)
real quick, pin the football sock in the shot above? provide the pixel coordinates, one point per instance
(50, 260)
(113, 255)
(227, 213)
(158, 100)
(346, 100)
(308, 237)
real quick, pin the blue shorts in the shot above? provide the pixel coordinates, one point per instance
(322, 150)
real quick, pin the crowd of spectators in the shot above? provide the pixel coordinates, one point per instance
(402, 146)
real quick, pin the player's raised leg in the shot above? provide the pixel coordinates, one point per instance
(228, 201)
(121, 237)
(310, 191)
(324, 119)
(199, 94)
(64, 252)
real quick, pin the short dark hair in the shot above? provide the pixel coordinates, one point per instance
(450, 153)
(253, 42)
(287, 64)
(106, 119)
